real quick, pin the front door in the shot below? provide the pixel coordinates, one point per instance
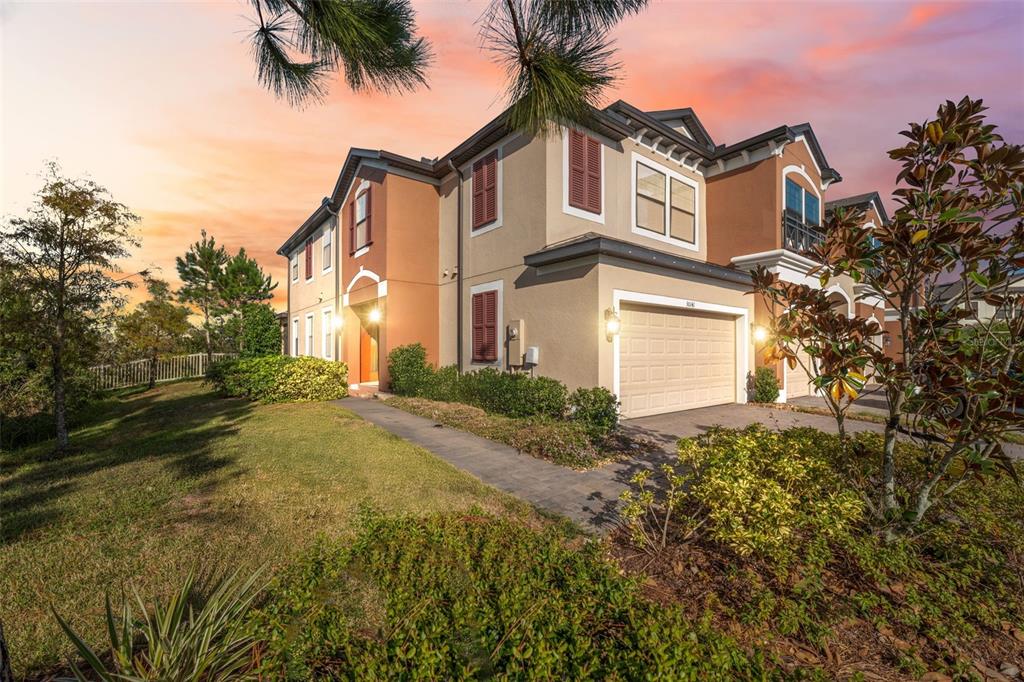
(367, 355)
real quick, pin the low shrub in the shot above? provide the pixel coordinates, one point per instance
(280, 378)
(26, 401)
(781, 525)
(514, 394)
(560, 441)
(596, 409)
(766, 385)
(451, 598)
(409, 371)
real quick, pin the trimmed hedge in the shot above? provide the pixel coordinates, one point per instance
(512, 394)
(280, 378)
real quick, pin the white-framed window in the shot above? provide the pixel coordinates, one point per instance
(665, 204)
(327, 256)
(361, 235)
(295, 267)
(326, 333)
(309, 334)
(295, 337)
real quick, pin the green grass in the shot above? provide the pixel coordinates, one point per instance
(165, 479)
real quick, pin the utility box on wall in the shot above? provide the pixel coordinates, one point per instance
(516, 334)
(532, 357)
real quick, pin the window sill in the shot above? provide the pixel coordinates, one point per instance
(484, 229)
(665, 239)
(361, 251)
(583, 213)
(327, 271)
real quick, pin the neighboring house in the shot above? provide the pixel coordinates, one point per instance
(616, 256)
(983, 311)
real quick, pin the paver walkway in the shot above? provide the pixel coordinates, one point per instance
(591, 497)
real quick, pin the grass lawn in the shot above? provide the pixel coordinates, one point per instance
(169, 478)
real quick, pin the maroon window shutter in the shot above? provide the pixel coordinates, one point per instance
(577, 170)
(490, 325)
(491, 187)
(485, 326)
(369, 197)
(352, 228)
(593, 175)
(479, 212)
(478, 327)
(309, 259)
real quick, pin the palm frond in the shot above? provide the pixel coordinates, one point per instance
(554, 78)
(298, 82)
(570, 17)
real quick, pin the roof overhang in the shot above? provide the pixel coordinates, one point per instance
(606, 247)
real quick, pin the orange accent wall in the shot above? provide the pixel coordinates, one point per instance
(743, 211)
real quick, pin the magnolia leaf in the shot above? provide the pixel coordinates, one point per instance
(791, 361)
(918, 236)
(835, 390)
(859, 377)
(978, 278)
(850, 391)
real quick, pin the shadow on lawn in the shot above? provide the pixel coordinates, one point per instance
(182, 432)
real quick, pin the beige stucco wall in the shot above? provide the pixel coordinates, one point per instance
(312, 296)
(617, 221)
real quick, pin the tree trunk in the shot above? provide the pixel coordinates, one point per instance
(206, 330)
(5, 658)
(59, 399)
(888, 501)
(152, 371)
(841, 424)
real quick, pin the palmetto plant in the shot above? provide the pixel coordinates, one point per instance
(557, 53)
(199, 634)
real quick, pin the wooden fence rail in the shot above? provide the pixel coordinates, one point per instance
(136, 372)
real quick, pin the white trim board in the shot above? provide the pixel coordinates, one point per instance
(620, 296)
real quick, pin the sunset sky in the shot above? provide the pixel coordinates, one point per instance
(158, 102)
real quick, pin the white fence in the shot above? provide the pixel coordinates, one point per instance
(136, 372)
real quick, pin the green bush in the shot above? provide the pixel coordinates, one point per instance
(280, 378)
(765, 492)
(597, 409)
(766, 385)
(409, 371)
(513, 394)
(26, 401)
(262, 331)
(453, 598)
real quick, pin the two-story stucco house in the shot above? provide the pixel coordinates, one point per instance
(615, 256)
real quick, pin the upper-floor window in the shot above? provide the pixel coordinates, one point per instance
(328, 241)
(485, 190)
(584, 172)
(309, 260)
(665, 203)
(295, 267)
(359, 230)
(802, 204)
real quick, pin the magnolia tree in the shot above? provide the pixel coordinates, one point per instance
(833, 349)
(957, 238)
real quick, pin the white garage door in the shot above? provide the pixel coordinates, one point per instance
(672, 359)
(797, 382)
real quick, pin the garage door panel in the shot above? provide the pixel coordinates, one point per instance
(797, 381)
(674, 359)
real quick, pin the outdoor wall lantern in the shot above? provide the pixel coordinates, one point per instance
(612, 323)
(337, 320)
(375, 316)
(760, 334)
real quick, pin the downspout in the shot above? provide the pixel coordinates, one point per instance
(288, 308)
(336, 245)
(458, 267)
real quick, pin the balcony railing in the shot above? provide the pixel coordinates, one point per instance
(798, 236)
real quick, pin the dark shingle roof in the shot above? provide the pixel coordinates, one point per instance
(860, 201)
